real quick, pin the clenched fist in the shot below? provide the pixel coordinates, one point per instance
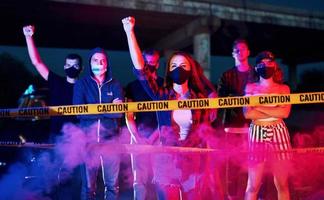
(29, 30)
(128, 23)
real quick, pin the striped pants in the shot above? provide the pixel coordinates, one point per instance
(270, 142)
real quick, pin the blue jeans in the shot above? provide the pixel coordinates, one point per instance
(110, 170)
(143, 175)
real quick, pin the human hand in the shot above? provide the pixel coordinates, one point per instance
(212, 115)
(128, 23)
(28, 30)
(143, 141)
(139, 140)
(117, 100)
(212, 112)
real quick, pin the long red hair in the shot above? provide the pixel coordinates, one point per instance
(198, 82)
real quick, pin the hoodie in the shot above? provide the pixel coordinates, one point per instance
(88, 91)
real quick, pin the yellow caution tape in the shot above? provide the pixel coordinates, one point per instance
(148, 106)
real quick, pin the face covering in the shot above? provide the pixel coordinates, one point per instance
(265, 72)
(72, 72)
(179, 75)
(98, 70)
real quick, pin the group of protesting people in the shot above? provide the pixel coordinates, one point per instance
(170, 175)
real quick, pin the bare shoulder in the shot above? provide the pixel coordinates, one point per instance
(283, 88)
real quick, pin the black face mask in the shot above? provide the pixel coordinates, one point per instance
(265, 72)
(151, 68)
(179, 75)
(72, 72)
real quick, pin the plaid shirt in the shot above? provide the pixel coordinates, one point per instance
(165, 117)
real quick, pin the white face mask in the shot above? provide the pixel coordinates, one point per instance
(99, 64)
(98, 70)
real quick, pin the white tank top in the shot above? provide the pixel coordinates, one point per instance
(184, 120)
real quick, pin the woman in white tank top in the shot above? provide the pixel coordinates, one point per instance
(184, 80)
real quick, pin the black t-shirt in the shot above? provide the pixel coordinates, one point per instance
(231, 84)
(136, 92)
(60, 93)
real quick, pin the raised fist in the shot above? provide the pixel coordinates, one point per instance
(128, 23)
(28, 30)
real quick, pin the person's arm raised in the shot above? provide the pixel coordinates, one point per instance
(33, 52)
(134, 49)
